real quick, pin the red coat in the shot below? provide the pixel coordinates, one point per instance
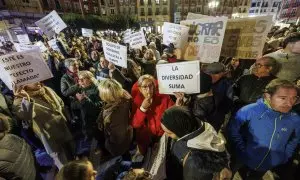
(147, 124)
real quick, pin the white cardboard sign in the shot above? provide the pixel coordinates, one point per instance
(87, 32)
(179, 77)
(24, 47)
(41, 45)
(137, 40)
(127, 35)
(53, 45)
(115, 53)
(51, 24)
(23, 39)
(176, 34)
(23, 68)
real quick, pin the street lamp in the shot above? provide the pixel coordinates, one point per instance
(213, 5)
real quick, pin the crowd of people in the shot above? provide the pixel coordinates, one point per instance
(95, 114)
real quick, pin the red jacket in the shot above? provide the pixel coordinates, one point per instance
(147, 124)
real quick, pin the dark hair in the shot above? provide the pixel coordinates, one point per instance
(275, 84)
(291, 38)
(74, 170)
(272, 63)
(131, 175)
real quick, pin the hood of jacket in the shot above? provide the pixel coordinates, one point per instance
(205, 140)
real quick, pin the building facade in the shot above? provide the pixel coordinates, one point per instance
(24, 6)
(290, 11)
(242, 9)
(265, 7)
(153, 13)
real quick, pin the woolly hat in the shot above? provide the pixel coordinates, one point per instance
(179, 120)
(214, 68)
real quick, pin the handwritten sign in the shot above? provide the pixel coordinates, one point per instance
(179, 77)
(23, 68)
(127, 35)
(176, 34)
(115, 53)
(53, 45)
(41, 45)
(137, 40)
(86, 32)
(245, 38)
(191, 16)
(205, 39)
(51, 24)
(23, 39)
(24, 47)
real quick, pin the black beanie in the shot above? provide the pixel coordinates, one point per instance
(205, 83)
(179, 120)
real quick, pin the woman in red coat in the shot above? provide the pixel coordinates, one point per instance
(147, 110)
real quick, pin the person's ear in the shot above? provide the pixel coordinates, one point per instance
(267, 97)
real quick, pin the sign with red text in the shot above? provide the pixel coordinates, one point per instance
(179, 77)
(115, 53)
(205, 39)
(23, 68)
(245, 38)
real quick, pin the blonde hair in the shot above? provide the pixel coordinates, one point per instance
(145, 77)
(110, 90)
(88, 75)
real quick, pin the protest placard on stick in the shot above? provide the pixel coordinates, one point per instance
(137, 40)
(245, 38)
(53, 45)
(115, 53)
(176, 34)
(179, 77)
(205, 39)
(86, 32)
(24, 47)
(23, 39)
(51, 24)
(127, 35)
(23, 68)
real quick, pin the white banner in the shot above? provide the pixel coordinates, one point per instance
(53, 45)
(137, 40)
(41, 45)
(23, 68)
(176, 34)
(179, 77)
(115, 53)
(23, 39)
(127, 35)
(51, 24)
(205, 39)
(191, 16)
(86, 32)
(24, 47)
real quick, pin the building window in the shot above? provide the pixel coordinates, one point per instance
(111, 2)
(272, 10)
(149, 19)
(112, 11)
(246, 2)
(129, 10)
(157, 11)
(165, 2)
(258, 4)
(251, 11)
(149, 2)
(198, 9)
(165, 11)
(143, 19)
(256, 11)
(102, 2)
(103, 11)
(25, 1)
(86, 7)
(149, 12)
(253, 5)
(96, 10)
(265, 10)
(142, 2)
(142, 12)
(245, 10)
(157, 1)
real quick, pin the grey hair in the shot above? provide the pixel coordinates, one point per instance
(144, 77)
(272, 63)
(69, 62)
(89, 75)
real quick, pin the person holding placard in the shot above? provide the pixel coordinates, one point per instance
(102, 70)
(148, 63)
(147, 109)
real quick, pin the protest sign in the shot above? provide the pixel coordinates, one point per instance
(205, 39)
(176, 34)
(245, 38)
(179, 77)
(191, 16)
(137, 40)
(51, 24)
(23, 68)
(23, 39)
(115, 53)
(41, 45)
(24, 47)
(86, 32)
(127, 35)
(53, 45)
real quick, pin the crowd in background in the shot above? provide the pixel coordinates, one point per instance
(94, 114)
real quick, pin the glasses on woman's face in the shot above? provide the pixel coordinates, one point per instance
(144, 87)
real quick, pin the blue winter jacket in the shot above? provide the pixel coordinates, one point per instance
(262, 137)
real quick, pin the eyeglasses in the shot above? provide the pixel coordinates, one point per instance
(147, 86)
(260, 65)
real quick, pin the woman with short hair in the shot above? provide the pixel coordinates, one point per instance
(115, 117)
(79, 170)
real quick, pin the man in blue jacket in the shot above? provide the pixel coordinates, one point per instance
(265, 134)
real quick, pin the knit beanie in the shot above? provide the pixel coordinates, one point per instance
(179, 120)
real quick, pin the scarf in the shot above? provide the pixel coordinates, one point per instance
(46, 95)
(73, 75)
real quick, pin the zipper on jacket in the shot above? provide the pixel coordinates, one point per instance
(270, 145)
